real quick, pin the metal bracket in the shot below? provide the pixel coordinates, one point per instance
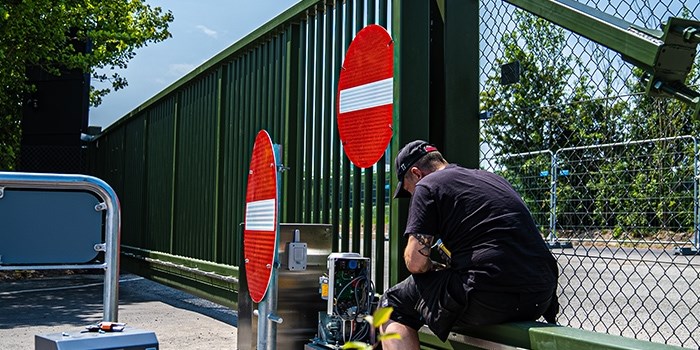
(100, 247)
(101, 206)
(275, 318)
(271, 317)
(2, 192)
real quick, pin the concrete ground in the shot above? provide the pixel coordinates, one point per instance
(69, 303)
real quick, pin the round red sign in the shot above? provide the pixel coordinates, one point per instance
(260, 233)
(366, 96)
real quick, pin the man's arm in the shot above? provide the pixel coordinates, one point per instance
(417, 253)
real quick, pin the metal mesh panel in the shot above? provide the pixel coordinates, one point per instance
(603, 167)
(52, 159)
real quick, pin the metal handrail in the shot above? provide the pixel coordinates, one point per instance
(110, 203)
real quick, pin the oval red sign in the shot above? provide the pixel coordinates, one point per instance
(366, 96)
(260, 233)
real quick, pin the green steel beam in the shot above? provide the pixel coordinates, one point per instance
(460, 69)
(536, 336)
(411, 31)
(667, 56)
(212, 281)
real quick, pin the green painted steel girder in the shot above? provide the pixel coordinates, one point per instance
(667, 56)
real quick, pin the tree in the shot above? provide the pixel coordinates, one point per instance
(552, 107)
(48, 33)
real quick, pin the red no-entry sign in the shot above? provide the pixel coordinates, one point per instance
(260, 233)
(366, 96)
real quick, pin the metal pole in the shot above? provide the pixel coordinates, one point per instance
(553, 201)
(262, 312)
(696, 208)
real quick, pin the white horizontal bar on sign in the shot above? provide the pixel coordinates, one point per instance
(370, 95)
(260, 215)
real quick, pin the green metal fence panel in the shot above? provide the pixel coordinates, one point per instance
(160, 170)
(196, 170)
(132, 200)
(112, 147)
(180, 160)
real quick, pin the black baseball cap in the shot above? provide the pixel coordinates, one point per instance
(409, 154)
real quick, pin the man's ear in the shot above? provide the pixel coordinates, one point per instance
(416, 173)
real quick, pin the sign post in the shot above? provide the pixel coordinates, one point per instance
(261, 237)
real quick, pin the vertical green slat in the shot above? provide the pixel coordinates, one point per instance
(357, 172)
(181, 154)
(337, 196)
(253, 110)
(318, 117)
(345, 243)
(380, 245)
(328, 120)
(300, 118)
(266, 89)
(410, 21)
(221, 160)
(144, 200)
(229, 175)
(176, 136)
(235, 213)
(367, 220)
(277, 84)
(270, 95)
(258, 118)
(292, 65)
(369, 178)
(383, 15)
(240, 167)
(280, 87)
(308, 121)
(261, 79)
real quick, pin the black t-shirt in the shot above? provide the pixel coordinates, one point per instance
(493, 239)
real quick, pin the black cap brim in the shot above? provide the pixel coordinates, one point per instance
(401, 192)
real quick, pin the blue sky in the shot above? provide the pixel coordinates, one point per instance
(201, 29)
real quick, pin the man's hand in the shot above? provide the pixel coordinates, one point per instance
(417, 253)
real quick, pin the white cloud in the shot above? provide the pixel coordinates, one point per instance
(180, 69)
(207, 31)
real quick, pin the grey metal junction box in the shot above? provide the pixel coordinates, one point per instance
(128, 339)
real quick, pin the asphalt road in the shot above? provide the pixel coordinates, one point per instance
(69, 303)
(647, 294)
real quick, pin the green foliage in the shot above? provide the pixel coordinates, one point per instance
(46, 33)
(629, 190)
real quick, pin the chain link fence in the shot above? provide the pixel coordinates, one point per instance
(610, 174)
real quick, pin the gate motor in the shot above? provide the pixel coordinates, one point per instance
(350, 296)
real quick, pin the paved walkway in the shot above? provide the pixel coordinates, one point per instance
(69, 303)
